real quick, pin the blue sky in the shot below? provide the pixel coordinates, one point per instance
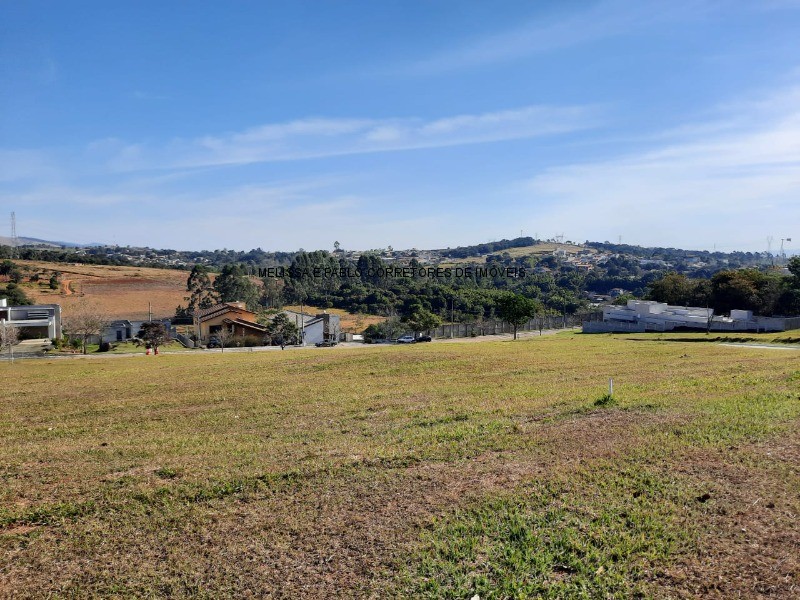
(422, 124)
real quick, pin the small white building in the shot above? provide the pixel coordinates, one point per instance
(34, 321)
(317, 328)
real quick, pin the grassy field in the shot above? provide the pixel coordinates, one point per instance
(543, 248)
(435, 470)
(122, 348)
(354, 323)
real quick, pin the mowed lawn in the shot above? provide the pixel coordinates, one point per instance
(433, 470)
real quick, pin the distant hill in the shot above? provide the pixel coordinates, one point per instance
(26, 241)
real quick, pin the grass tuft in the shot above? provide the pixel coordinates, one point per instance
(606, 400)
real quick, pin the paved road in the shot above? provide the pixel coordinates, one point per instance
(27, 349)
(33, 348)
(761, 346)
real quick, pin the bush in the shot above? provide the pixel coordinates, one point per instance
(104, 347)
(252, 340)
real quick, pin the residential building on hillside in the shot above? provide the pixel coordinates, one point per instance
(233, 316)
(322, 327)
(124, 329)
(34, 321)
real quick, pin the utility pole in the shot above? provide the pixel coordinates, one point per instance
(302, 324)
(149, 311)
(452, 315)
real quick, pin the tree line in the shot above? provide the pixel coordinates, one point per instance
(765, 293)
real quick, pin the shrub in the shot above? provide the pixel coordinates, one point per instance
(104, 347)
(252, 340)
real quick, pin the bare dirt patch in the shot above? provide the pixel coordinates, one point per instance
(121, 292)
(752, 545)
(18, 530)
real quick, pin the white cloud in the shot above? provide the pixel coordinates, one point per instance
(544, 34)
(738, 185)
(18, 165)
(315, 138)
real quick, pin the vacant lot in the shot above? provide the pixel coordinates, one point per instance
(354, 323)
(121, 292)
(124, 292)
(437, 470)
(538, 250)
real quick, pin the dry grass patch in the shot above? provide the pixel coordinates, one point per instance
(121, 292)
(348, 473)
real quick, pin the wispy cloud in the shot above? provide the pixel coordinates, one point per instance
(738, 182)
(18, 165)
(319, 137)
(252, 213)
(591, 22)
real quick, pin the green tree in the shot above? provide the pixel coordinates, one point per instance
(623, 299)
(272, 292)
(234, 285)
(201, 292)
(673, 288)
(745, 289)
(423, 320)
(677, 289)
(516, 310)
(282, 330)
(386, 330)
(6, 267)
(11, 270)
(794, 269)
(154, 334)
(15, 296)
(789, 301)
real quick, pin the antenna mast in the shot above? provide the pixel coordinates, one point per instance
(14, 239)
(769, 249)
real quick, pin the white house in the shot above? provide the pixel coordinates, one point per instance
(35, 321)
(316, 328)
